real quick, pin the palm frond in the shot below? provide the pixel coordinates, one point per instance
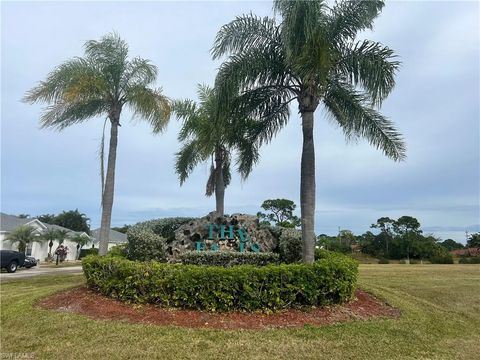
(150, 105)
(248, 156)
(74, 80)
(301, 22)
(211, 182)
(243, 33)
(372, 66)
(140, 72)
(348, 18)
(63, 114)
(353, 112)
(186, 110)
(227, 174)
(110, 53)
(248, 70)
(266, 108)
(187, 159)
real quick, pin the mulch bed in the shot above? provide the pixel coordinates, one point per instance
(86, 302)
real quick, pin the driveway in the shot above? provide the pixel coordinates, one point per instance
(39, 270)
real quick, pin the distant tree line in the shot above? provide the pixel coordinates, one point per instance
(397, 239)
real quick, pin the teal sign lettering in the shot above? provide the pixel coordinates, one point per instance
(227, 232)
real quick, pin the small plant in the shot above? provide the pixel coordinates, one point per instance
(384, 261)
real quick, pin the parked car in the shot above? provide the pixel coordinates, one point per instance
(11, 260)
(30, 262)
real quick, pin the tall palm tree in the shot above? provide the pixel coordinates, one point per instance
(102, 82)
(23, 236)
(211, 134)
(311, 56)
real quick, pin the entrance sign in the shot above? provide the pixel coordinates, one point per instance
(222, 232)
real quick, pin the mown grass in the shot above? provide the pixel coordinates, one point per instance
(60, 264)
(440, 307)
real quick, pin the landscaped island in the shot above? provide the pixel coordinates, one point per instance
(237, 275)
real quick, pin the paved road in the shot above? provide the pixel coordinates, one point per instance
(39, 270)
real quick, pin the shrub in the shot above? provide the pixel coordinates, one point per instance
(469, 260)
(323, 254)
(163, 227)
(439, 259)
(290, 245)
(414, 262)
(227, 258)
(86, 252)
(402, 261)
(144, 245)
(118, 250)
(384, 261)
(215, 288)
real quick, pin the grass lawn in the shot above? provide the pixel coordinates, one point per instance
(60, 264)
(440, 306)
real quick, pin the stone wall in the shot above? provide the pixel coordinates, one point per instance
(197, 230)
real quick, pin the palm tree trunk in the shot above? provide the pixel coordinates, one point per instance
(307, 188)
(219, 183)
(107, 196)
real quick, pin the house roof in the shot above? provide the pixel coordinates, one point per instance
(58, 227)
(115, 237)
(10, 222)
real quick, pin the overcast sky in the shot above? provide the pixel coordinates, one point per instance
(435, 105)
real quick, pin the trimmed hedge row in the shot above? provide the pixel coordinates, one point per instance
(330, 280)
(228, 258)
(469, 260)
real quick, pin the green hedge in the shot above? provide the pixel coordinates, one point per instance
(86, 252)
(469, 260)
(228, 258)
(214, 288)
(442, 259)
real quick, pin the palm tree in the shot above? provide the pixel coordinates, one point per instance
(80, 240)
(50, 236)
(102, 83)
(62, 235)
(209, 133)
(23, 235)
(311, 56)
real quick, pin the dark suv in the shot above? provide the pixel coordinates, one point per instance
(11, 260)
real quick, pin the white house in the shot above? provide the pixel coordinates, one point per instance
(114, 238)
(39, 250)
